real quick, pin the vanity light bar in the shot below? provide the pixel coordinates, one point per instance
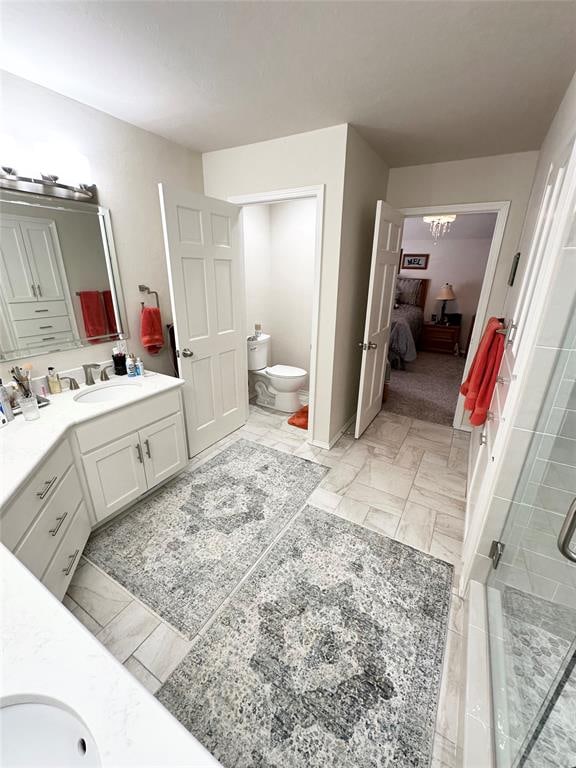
(47, 184)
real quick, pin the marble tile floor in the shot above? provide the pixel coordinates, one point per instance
(404, 478)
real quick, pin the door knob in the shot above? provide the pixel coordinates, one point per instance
(187, 352)
(372, 345)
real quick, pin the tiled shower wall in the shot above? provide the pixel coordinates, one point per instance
(537, 481)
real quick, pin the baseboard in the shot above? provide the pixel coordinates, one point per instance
(327, 446)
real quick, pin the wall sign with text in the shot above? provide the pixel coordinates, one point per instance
(414, 261)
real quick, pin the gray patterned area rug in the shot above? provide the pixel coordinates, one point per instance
(329, 654)
(183, 550)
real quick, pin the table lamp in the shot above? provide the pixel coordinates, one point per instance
(446, 294)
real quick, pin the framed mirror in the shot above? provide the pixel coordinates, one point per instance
(59, 280)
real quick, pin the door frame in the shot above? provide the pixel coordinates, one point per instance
(298, 193)
(501, 208)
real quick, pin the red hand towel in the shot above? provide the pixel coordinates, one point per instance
(151, 330)
(481, 380)
(93, 315)
(110, 316)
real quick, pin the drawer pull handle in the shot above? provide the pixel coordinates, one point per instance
(59, 521)
(139, 453)
(47, 486)
(41, 310)
(45, 327)
(48, 338)
(70, 565)
(147, 446)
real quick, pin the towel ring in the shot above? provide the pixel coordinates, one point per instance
(145, 289)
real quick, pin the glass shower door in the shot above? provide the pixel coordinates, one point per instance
(532, 593)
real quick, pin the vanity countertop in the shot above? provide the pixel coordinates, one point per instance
(24, 444)
(47, 653)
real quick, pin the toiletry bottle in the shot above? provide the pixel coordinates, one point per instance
(54, 384)
(257, 330)
(139, 367)
(5, 402)
(131, 365)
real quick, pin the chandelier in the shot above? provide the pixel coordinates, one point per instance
(439, 225)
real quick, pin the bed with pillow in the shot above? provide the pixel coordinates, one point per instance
(407, 320)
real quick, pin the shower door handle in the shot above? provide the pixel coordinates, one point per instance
(567, 533)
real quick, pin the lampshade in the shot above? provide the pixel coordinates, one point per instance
(446, 293)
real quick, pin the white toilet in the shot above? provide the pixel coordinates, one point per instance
(278, 386)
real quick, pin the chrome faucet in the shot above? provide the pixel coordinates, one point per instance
(88, 368)
(73, 383)
(104, 373)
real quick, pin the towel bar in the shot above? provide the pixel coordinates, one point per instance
(145, 289)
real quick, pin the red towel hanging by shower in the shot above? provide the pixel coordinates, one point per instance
(93, 315)
(481, 380)
(151, 334)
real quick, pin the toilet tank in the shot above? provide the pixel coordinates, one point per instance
(258, 349)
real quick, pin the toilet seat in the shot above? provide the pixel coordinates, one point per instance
(286, 371)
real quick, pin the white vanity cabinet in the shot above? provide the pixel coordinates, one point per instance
(127, 454)
(46, 525)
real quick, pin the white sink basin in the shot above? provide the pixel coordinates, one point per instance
(105, 393)
(45, 734)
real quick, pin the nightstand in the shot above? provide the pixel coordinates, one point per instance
(440, 338)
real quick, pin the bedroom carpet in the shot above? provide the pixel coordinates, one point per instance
(427, 389)
(329, 654)
(183, 550)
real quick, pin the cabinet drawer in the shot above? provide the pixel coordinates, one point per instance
(132, 418)
(16, 517)
(50, 343)
(41, 326)
(62, 566)
(33, 310)
(43, 538)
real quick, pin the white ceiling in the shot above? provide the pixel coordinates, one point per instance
(422, 81)
(466, 226)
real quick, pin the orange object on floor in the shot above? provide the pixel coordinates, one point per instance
(300, 418)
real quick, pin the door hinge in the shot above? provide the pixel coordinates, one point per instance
(496, 552)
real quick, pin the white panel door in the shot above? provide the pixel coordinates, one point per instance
(205, 264)
(115, 474)
(164, 446)
(383, 271)
(40, 238)
(17, 282)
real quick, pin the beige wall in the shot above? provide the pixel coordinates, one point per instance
(305, 159)
(279, 254)
(481, 179)
(459, 261)
(126, 164)
(366, 177)
(257, 266)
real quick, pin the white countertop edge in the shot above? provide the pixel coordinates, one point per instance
(47, 652)
(25, 444)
